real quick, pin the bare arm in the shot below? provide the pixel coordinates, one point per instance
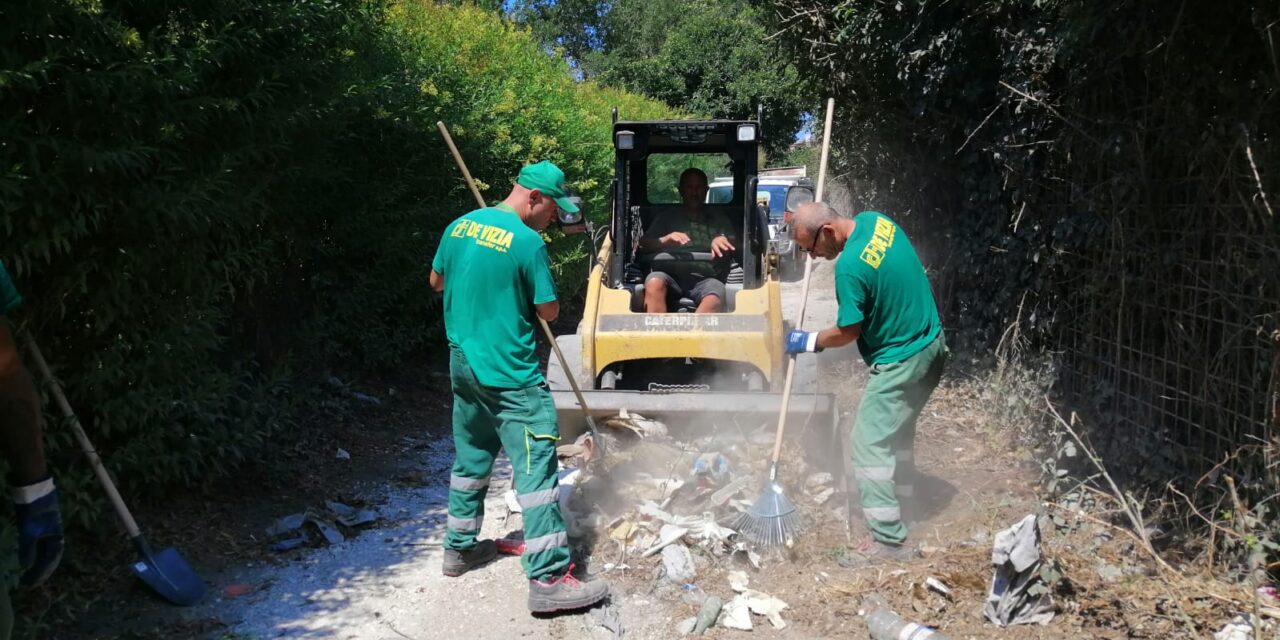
(20, 410)
(548, 310)
(437, 281)
(838, 336)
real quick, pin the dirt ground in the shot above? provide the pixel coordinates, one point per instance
(384, 580)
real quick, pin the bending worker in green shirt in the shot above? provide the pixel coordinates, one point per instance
(886, 305)
(35, 499)
(493, 269)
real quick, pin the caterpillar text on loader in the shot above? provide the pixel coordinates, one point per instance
(680, 366)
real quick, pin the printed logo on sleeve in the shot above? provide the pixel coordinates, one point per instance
(487, 236)
(881, 240)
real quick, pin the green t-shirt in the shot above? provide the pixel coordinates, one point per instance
(9, 298)
(701, 230)
(495, 269)
(881, 283)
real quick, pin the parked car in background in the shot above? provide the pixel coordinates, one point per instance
(781, 190)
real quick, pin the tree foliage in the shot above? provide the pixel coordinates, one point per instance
(1089, 180)
(711, 58)
(208, 205)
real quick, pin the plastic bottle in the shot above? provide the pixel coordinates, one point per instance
(884, 624)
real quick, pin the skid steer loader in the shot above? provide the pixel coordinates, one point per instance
(682, 366)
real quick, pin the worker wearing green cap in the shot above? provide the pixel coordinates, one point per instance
(493, 269)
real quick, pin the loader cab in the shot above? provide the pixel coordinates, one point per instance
(649, 159)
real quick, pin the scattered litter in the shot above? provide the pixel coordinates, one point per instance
(364, 397)
(679, 563)
(738, 581)
(703, 528)
(687, 626)
(288, 544)
(637, 424)
(235, 590)
(823, 496)
(609, 618)
(692, 594)
(668, 535)
(737, 615)
(1018, 595)
(752, 557)
(342, 454)
(763, 604)
(708, 613)
(884, 624)
(712, 465)
(1269, 592)
(326, 528)
(349, 516)
(937, 585)
(622, 531)
(722, 495)
(1240, 628)
(299, 529)
(286, 524)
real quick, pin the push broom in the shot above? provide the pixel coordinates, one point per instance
(773, 518)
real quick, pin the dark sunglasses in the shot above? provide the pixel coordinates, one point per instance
(816, 236)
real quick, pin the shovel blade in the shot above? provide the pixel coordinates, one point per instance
(168, 574)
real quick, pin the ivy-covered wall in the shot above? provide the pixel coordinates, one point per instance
(1097, 181)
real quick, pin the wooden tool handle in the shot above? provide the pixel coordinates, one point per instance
(94, 460)
(804, 290)
(546, 328)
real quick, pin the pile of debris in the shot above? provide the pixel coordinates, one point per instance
(667, 509)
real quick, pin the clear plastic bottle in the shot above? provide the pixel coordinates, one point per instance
(884, 624)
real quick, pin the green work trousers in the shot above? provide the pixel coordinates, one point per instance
(884, 434)
(523, 421)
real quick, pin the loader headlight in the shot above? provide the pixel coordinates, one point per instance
(625, 140)
(567, 218)
(746, 132)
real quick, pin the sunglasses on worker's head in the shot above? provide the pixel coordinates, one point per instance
(816, 236)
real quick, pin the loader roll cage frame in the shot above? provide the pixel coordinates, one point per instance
(632, 211)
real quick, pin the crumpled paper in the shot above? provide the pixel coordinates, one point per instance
(737, 612)
(1018, 595)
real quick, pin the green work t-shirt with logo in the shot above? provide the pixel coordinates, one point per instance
(495, 269)
(701, 229)
(881, 283)
(9, 298)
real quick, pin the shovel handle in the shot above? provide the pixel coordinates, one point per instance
(87, 447)
(546, 329)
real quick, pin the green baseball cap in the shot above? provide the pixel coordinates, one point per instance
(548, 179)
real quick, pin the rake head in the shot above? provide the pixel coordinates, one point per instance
(772, 520)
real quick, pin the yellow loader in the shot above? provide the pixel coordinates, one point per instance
(680, 366)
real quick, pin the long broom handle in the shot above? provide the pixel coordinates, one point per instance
(804, 291)
(96, 462)
(546, 329)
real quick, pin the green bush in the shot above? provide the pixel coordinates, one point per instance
(208, 205)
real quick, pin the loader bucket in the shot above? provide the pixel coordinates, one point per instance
(811, 418)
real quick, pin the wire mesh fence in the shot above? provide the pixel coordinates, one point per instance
(1175, 335)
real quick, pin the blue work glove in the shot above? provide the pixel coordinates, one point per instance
(39, 530)
(802, 342)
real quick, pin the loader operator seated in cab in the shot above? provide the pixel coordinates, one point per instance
(694, 229)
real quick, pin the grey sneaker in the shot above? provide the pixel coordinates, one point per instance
(565, 593)
(457, 562)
